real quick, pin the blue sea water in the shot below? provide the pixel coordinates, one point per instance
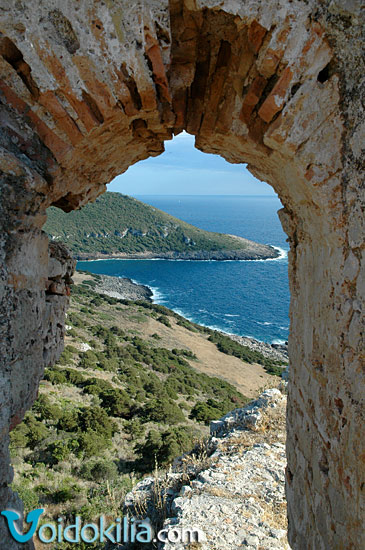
(248, 298)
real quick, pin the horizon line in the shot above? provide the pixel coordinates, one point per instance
(194, 194)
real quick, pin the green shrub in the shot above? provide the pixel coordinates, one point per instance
(96, 419)
(88, 359)
(58, 451)
(45, 409)
(74, 377)
(89, 283)
(95, 386)
(37, 431)
(154, 387)
(163, 447)
(109, 364)
(19, 436)
(28, 496)
(203, 412)
(71, 349)
(164, 320)
(117, 402)
(150, 449)
(134, 428)
(97, 301)
(55, 376)
(186, 324)
(75, 320)
(177, 441)
(100, 470)
(91, 444)
(69, 421)
(184, 353)
(164, 411)
(65, 494)
(65, 358)
(93, 389)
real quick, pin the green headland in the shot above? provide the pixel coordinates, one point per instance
(118, 226)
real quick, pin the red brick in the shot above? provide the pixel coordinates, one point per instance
(270, 107)
(255, 35)
(49, 138)
(56, 68)
(252, 98)
(270, 62)
(159, 73)
(58, 147)
(97, 89)
(13, 99)
(82, 110)
(60, 116)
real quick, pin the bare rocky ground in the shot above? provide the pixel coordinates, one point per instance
(117, 287)
(232, 491)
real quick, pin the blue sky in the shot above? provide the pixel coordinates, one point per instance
(183, 170)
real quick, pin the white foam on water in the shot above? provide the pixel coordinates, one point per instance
(283, 255)
(157, 296)
(182, 314)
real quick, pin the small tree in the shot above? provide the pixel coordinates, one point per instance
(204, 412)
(163, 410)
(117, 402)
(96, 419)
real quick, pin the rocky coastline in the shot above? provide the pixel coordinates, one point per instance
(125, 289)
(121, 288)
(253, 252)
(272, 351)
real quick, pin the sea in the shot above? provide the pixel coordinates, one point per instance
(247, 298)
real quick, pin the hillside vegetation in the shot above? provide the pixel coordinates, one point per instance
(119, 225)
(125, 395)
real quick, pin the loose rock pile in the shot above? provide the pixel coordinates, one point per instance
(235, 497)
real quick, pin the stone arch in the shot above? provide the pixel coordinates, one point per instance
(89, 88)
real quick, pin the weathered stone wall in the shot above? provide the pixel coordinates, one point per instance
(90, 87)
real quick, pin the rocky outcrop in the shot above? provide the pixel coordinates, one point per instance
(235, 496)
(253, 252)
(272, 351)
(121, 288)
(89, 88)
